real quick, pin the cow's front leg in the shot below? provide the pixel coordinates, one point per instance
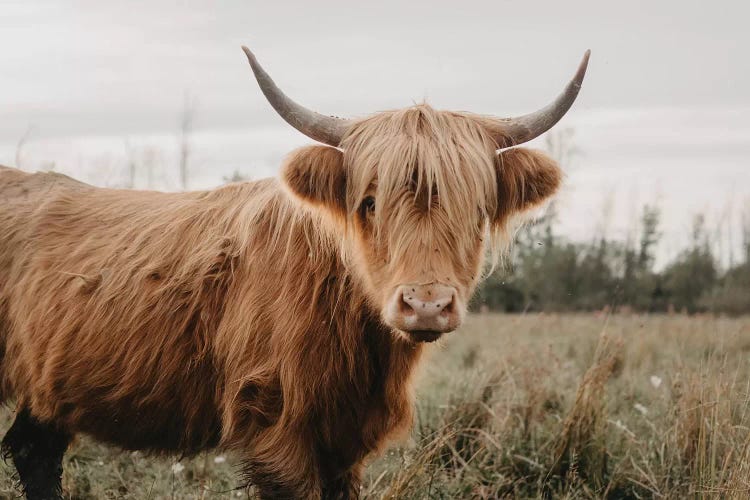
(273, 481)
(303, 478)
(284, 468)
(344, 487)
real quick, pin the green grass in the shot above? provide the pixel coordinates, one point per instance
(561, 406)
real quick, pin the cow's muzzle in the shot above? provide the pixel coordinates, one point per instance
(424, 312)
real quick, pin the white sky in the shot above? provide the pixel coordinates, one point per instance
(663, 114)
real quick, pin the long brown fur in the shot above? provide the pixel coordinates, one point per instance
(248, 317)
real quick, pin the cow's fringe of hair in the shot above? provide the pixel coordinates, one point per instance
(425, 153)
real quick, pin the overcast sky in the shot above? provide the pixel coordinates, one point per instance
(663, 114)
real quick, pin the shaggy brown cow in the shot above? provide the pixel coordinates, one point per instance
(281, 319)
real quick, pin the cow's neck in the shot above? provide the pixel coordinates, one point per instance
(382, 366)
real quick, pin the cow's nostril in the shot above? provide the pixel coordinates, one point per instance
(404, 306)
(447, 306)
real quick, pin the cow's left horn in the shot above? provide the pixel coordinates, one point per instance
(326, 129)
(509, 132)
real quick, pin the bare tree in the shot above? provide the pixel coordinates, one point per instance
(186, 128)
(21, 143)
(236, 176)
(560, 144)
(131, 165)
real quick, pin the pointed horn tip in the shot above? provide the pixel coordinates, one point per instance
(582, 67)
(249, 54)
(586, 56)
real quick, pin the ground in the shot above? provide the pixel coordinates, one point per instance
(538, 405)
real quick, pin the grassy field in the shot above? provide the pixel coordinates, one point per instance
(561, 406)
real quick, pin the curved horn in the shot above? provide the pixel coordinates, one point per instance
(325, 129)
(509, 132)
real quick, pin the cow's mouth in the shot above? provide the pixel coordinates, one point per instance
(424, 335)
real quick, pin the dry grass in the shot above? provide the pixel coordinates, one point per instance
(551, 406)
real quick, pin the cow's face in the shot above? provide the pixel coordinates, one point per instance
(419, 197)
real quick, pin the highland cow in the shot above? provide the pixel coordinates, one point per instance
(279, 319)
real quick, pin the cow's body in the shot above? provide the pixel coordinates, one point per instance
(279, 319)
(169, 322)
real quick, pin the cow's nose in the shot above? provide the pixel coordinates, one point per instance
(426, 302)
(425, 311)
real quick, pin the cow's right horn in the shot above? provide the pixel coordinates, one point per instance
(326, 129)
(509, 132)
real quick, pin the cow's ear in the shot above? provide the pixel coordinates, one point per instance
(316, 175)
(525, 179)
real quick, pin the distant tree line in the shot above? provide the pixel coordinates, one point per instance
(546, 272)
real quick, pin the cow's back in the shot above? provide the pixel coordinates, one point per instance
(21, 194)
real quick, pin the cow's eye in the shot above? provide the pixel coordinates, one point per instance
(368, 205)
